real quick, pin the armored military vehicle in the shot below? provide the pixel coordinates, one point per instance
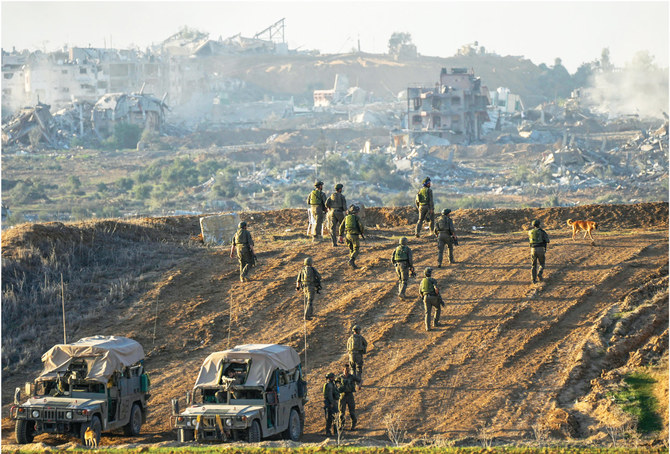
(247, 393)
(97, 382)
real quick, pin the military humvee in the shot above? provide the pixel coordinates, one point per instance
(96, 382)
(246, 393)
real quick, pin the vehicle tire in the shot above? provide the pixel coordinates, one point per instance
(294, 430)
(24, 430)
(132, 429)
(254, 432)
(95, 425)
(185, 435)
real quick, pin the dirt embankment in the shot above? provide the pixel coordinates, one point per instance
(507, 358)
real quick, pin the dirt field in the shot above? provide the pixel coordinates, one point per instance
(507, 355)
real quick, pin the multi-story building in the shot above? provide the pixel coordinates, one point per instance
(454, 108)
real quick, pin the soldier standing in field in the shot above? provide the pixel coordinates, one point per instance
(357, 346)
(431, 298)
(446, 236)
(245, 250)
(426, 206)
(538, 240)
(337, 206)
(403, 263)
(309, 280)
(347, 387)
(317, 204)
(330, 401)
(353, 227)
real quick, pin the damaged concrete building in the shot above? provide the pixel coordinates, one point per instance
(454, 108)
(341, 93)
(139, 109)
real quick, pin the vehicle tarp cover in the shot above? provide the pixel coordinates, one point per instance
(103, 355)
(265, 358)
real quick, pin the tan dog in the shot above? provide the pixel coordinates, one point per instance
(586, 226)
(90, 438)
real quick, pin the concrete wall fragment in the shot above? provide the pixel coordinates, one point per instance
(219, 229)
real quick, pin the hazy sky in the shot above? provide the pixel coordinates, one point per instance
(575, 31)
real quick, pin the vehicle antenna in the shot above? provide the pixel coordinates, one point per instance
(62, 292)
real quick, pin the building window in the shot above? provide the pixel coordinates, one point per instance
(8, 75)
(455, 101)
(65, 90)
(6, 91)
(82, 71)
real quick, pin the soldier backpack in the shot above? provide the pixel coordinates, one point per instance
(351, 224)
(401, 254)
(422, 196)
(427, 287)
(315, 198)
(239, 236)
(535, 236)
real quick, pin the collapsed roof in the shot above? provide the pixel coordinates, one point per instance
(103, 355)
(265, 358)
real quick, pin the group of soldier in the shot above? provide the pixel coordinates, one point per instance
(338, 393)
(345, 224)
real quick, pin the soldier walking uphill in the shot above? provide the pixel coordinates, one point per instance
(309, 280)
(446, 236)
(431, 298)
(357, 346)
(538, 239)
(353, 227)
(244, 244)
(337, 206)
(403, 263)
(347, 387)
(425, 205)
(317, 204)
(330, 401)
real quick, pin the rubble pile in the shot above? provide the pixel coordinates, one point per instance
(30, 121)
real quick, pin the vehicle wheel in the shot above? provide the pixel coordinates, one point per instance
(132, 429)
(184, 435)
(294, 430)
(254, 433)
(24, 431)
(96, 426)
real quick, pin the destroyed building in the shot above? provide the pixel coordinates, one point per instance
(29, 126)
(143, 110)
(341, 93)
(454, 108)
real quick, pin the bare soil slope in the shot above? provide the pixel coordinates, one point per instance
(507, 356)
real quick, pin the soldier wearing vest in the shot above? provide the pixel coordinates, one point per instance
(245, 250)
(446, 235)
(403, 263)
(330, 400)
(337, 206)
(357, 346)
(347, 387)
(317, 204)
(309, 280)
(431, 298)
(425, 205)
(538, 240)
(353, 227)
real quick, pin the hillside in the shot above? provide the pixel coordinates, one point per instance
(508, 359)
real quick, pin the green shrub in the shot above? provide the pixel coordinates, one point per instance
(225, 183)
(142, 191)
(126, 135)
(474, 202)
(124, 184)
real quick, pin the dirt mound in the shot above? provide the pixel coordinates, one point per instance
(506, 355)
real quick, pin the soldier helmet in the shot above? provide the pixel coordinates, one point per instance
(428, 271)
(338, 186)
(308, 261)
(535, 223)
(354, 209)
(446, 211)
(355, 328)
(242, 225)
(330, 375)
(403, 240)
(318, 183)
(426, 181)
